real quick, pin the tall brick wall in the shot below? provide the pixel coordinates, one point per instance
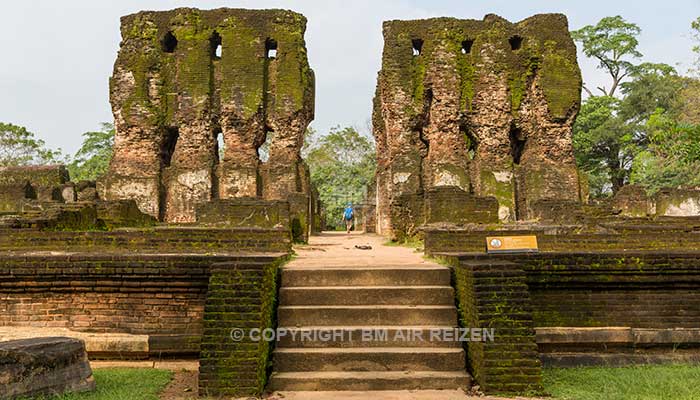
(173, 94)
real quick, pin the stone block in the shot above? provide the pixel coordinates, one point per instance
(13, 196)
(44, 366)
(244, 212)
(452, 205)
(633, 201)
(678, 202)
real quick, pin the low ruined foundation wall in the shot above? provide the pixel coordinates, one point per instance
(173, 240)
(161, 296)
(589, 307)
(567, 239)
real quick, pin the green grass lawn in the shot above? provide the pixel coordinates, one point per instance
(667, 382)
(123, 384)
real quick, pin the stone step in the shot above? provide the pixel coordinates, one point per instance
(363, 295)
(295, 316)
(367, 336)
(361, 276)
(374, 380)
(370, 359)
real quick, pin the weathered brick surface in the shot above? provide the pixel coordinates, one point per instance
(44, 366)
(160, 295)
(487, 106)
(641, 236)
(172, 95)
(172, 239)
(240, 296)
(494, 294)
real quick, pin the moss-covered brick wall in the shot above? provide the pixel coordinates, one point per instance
(244, 212)
(495, 295)
(639, 289)
(484, 105)
(185, 76)
(199, 240)
(452, 205)
(240, 296)
(161, 296)
(677, 234)
(45, 180)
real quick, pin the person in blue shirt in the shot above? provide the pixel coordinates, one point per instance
(348, 216)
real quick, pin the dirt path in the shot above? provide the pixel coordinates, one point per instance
(337, 249)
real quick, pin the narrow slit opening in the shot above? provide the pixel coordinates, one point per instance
(417, 45)
(169, 42)
(270, 48)
(517, 145)
(467, 46)
(264, 148)
(168, 145)
(215, 43)
(515, 42)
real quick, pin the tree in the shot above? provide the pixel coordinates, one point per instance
(672, 158)
(600, 138)
(613, 41)
(695, 34)
(18, 146)
(342, 164)
(92, 159)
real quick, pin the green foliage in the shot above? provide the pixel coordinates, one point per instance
(695, 33)
(613, 41)
(122, 383)
(18, 147)
(669, 382)
(92, 159)
(602, 144)
(342, 164)
(672, 158)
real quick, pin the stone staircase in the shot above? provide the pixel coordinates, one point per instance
(346, 303)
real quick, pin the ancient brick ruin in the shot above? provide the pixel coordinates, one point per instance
(486, 106)
(473, 127)
(185, 77)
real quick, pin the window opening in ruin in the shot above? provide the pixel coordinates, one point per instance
(470, 141)
(220, 147)
(517, 145)
(215, 42)
(169, 43)
(417, 46)
(167, 147)
(264, 149)
(270, 48)
(515, 42)
(467, 46)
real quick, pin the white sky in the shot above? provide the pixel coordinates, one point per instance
(56, 56)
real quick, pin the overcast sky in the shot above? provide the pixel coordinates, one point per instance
(56, 56)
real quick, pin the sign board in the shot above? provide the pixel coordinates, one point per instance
(511, 244)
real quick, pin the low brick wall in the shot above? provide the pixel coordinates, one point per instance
(640, 237)
(166, 239)
(580, 290)
(160, 295)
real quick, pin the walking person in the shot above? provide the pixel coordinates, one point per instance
(348, 216)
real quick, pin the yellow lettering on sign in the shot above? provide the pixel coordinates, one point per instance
(512, 244)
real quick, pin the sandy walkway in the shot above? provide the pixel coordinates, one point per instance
(337, 249)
